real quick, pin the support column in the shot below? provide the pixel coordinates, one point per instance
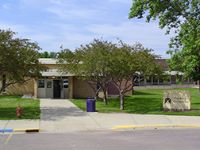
(139, 80)
(70, 80)
(170, 79)
(35, 88)
(151, 80)
(145, 81)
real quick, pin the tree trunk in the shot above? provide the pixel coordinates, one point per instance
(105, 99)
(1, 90)
(133, 90)
(199, 85)
(121, 96)
(3, 84)
(96, 95)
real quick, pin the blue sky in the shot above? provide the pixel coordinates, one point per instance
(70, 23)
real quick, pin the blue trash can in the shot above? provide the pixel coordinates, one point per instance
(91, 105)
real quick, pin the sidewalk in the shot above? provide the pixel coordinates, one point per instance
(63, 116)
(125, 121)
(20, 125)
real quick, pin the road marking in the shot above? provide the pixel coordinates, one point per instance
(156, 126)
(8, 139)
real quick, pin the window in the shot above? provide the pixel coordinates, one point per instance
(65, 83)
(41, 84)
(49, 84)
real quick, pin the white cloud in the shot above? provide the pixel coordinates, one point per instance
(6, 6)
(73, 22)
(42, 37)
(27, 32)
(71, 37)
(58, 2)
(147, 34)
(14, 27)
(72, 13)
(68, 10)
(30, 2)
(66, 35)
(121, 1)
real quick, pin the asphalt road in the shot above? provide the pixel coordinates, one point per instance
(165, 139)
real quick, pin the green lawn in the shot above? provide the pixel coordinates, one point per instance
(148, 101)
(8, 104)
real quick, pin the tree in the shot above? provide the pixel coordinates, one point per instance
(102, 62)
(188, 59)
(46, 54)
(182, 17)
(122, 69)
(18, 59)
(126, 61)
(90, 63)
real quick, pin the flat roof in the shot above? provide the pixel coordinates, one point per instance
(55, 72)
(51, 61)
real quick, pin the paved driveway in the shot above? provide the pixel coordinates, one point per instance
(63, 116)
(56, 110)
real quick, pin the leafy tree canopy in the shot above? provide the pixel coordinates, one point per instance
(90, 63)
(103, 62)
(18, 59)
(183, 18)
(128, 60)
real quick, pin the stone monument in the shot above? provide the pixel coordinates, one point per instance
(176, 100)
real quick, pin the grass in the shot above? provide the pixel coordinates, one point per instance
(8, 104)
(148, 101)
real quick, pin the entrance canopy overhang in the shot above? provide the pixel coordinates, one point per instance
(54, 73)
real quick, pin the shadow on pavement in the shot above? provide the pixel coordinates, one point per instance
(57, 113)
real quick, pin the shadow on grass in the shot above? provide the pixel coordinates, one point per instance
(196, 103)
(142, 93)
(9, 97)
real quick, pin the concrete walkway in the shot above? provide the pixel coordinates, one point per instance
(63, 116)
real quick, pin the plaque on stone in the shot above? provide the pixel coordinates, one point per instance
(175, 100)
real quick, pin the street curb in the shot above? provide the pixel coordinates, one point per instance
(6, 130)
(11, 130)
(27, 130)
(156, 126)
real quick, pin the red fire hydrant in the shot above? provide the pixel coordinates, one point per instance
(19, 111)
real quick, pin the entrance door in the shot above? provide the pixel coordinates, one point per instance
(56, 89)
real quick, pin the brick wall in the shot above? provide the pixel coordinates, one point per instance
(81, 89)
